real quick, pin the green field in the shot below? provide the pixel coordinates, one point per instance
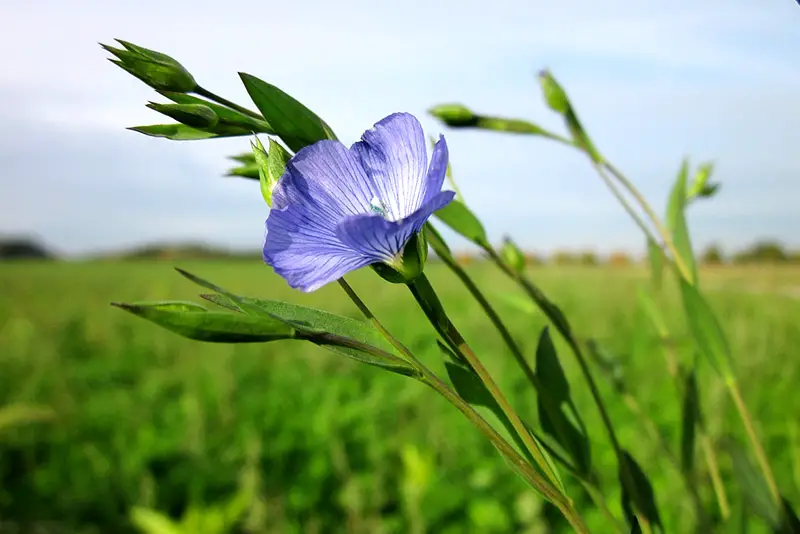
(145, 418)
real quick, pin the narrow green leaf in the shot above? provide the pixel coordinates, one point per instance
(246, 158)
(651, 311)
(790, 523)
(637, 493)
(676, 221)
(553, 396)
(458, 217)
(549, 370)
(293, 122)
(656, 257)
(753, 486)
(226, 115)
(470, 388)
(195, 322)
(690, 419)
(317, 325)
(181, 132)
(245, 171)
(706, 330)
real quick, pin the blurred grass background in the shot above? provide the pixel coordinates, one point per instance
(323, 444)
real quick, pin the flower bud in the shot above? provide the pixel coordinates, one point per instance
(194, 115)
(512, 255)
(159, 71)
(454, 115)
(554, 94)
(409, 264)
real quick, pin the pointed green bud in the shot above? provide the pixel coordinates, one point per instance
(554, 94)
(262, 166)
(700, 187)
(194, 115)
(407, 265)
(454, 115)
(512, 255)
(159, 71)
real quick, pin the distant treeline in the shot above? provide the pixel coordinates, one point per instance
(765, 251)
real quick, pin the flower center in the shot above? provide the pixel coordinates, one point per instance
(376, 206)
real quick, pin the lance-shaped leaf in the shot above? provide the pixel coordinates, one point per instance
(245, 171)
(690, 419)
(196, 322)
(293, 122)
(246, 158)
(558, 101)
(757, 496)
(226, 115)
(181, 132)
(790, 522)
(676, 222)
(470, 388)
(553, 397)
(459, 218)
(706, 330)
(343, 335)
(159, 71)
(638, 497)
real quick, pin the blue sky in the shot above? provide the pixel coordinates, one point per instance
(653, 82)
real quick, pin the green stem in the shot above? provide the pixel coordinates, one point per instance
(538, 297)
(662, 230)
(562, 326)
(429, 302)
(516, 351)
(225, 102)
(519, 463)
(761, 457)
(618, 195)
(522, 467)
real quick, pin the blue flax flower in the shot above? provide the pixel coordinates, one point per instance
(337, 209)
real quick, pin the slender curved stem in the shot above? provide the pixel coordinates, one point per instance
(225, 102)
(523, 468)
(516, 351)
(538, 297)
(758, 449)
(428, 301)
(662, 230)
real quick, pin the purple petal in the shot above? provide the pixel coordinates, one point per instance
(380, 239)
(437, 169)
(394, 156)
(323, 184)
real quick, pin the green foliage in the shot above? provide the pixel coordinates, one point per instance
(146, 418)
